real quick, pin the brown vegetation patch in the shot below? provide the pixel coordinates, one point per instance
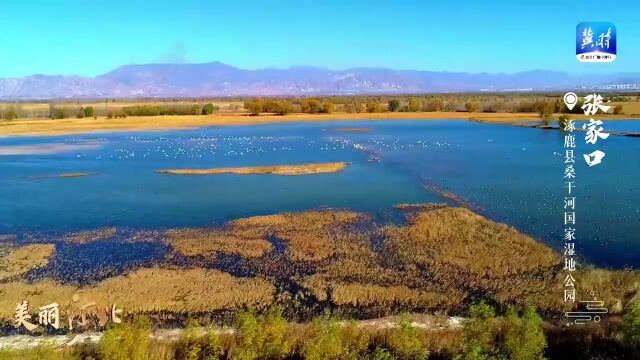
(290, 170)
(145, 290)
(54, 176)
(466, 251)
(310, 235)
(208, 242)
(354, 130)
(17, 260)
(420, 207)
(442, 259)
(84, 237)
(386, 296)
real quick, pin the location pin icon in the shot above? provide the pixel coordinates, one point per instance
(570, 99)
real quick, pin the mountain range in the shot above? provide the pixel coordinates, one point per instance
(215, 79)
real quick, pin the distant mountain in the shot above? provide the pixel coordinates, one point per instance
(218, 79)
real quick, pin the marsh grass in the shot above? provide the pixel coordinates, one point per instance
(208, 242)
(440, 259)
(17, 260)
(147, 290)
(84, 237)
(310, 236)
(354, 130)
(462, 250)
(288, 170)
(60, 176)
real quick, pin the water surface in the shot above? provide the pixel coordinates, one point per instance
(510, 174)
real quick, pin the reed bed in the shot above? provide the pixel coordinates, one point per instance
(440, 259)
(208, 242)
(147, 290)
(288, 170)
(463, 250)
(386, 296)
(354, 130)
(17, 260)
(309, 235)
(60, 176)
(83, 237)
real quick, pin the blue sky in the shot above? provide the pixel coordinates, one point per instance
(92, 37)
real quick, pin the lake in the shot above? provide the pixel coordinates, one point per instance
(510, 174)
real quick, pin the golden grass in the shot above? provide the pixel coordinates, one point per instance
(17, 260)
(354, 130)
(208, 242)
(146, 290)
(468, 237)
(310, 236)
(463, 250)
(289, 170)
(432, 206)
(83, 237)
(41, 127)
(386, 296)
(442, 259)
(630, 108)
(69, 175)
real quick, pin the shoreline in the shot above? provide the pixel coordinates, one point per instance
(72, 126)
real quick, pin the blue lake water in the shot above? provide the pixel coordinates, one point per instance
(510, 174)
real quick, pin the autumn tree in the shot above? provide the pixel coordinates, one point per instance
(394, 105)
(254, 106)
(310, 105)
(89, 111)
(479, 333)
(373, 106)
(10, 113)
(209, 109)
(414, 104)
(327, 107)
(435, 105)
(523, 336)
(631, 325)
(404, 342)
(472, 106)
(196, 109)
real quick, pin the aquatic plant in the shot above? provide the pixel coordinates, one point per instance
(290, 170)
(17, 260)
(148, 289)
(309, 235)
(208, 242)
(84, 237)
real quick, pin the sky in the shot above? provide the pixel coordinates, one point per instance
(91, 37)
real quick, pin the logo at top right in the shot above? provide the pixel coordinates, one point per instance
(596, 42)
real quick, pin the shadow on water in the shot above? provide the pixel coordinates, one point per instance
(92, 262)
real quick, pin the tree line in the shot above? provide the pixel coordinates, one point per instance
(484, 335)
(543, 104)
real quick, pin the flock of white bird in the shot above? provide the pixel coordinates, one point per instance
(208, 146)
